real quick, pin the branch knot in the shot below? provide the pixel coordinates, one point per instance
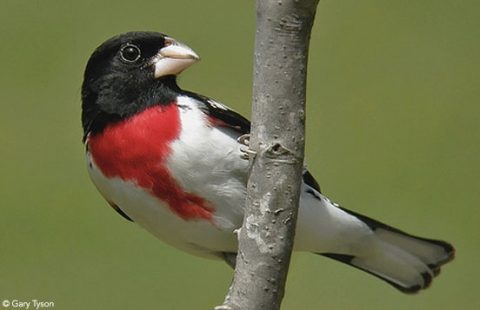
(279, 153)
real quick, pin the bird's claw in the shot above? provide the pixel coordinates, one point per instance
(246, 151)
(244, 139)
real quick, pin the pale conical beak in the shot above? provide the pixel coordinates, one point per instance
(173, 58)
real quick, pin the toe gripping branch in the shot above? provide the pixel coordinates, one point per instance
(245, 148)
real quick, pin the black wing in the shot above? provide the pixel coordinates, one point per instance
(235, 121)
(310, 181)
(224, 114)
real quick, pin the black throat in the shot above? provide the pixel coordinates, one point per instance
(104, 105)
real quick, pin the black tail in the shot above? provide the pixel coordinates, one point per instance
(407, 262)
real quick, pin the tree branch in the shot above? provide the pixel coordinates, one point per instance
(277, 152)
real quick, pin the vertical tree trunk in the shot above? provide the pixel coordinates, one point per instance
(277, 151)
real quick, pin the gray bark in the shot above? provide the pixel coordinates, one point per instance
(276, 154)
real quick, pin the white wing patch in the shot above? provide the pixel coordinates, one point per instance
(218, 105)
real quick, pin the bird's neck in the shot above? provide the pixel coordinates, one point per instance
(161, 92)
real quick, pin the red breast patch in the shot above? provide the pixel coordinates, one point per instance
(136, 149)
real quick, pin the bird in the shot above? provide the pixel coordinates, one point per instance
(173, 161)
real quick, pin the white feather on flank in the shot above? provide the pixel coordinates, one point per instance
(206, 160)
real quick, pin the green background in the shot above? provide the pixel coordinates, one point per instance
(393, 132)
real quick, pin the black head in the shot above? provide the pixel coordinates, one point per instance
(129, 73)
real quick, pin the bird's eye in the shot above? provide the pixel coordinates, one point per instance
(130, 53)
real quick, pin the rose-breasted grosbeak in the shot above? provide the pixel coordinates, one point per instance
(170, 160)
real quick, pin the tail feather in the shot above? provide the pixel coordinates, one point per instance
(407, 262)
(408, 286)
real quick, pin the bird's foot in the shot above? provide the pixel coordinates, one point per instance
(244, 139)
(245, 150)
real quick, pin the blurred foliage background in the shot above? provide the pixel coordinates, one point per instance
(393, 132)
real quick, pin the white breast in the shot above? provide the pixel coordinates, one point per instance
(205, 160)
